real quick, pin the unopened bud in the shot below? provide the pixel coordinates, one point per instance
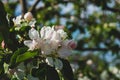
(3, 44)
(28, 16)
(72, 44)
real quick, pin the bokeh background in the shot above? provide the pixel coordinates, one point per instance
(93, 24)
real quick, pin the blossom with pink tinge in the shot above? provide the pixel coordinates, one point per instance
(28, 16)
(72, 44)
(3, 44)
(50, 41)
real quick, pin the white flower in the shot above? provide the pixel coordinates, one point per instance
(35, 41)
(51, 37)
(33, 34)
(50, 41)
(17, 20)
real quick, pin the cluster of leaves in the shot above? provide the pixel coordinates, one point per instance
(32, 66)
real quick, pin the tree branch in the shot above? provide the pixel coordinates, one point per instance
(106, 7)
(112, 9)
(24, 7)
(98, 49)
(34, 5)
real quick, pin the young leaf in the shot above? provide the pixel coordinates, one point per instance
(25, 56)
(67, 70)
(14, 56)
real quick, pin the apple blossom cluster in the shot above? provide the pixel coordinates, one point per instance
(27, 18)
(49, 41)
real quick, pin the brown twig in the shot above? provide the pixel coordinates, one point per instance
(98, 49)
(112, 9)
(24, 7)
(34, 5)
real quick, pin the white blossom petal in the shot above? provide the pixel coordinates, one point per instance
(33, 34)
(45, 32)
(56, 37)
(54, 45)
(28, 43)
(46, 48)
(42, 32)
(31, 44)
(17, 20)
(49, 33)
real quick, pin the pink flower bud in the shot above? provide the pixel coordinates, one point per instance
(3, 44)
(28, 16)
(71, 44)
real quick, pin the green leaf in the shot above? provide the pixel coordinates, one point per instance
(25, 56)
(14, 56)
(67, 70)
(5, 67)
